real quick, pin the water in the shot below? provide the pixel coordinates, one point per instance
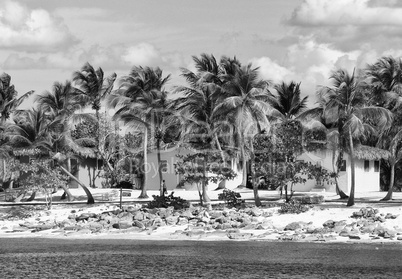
(66, 258)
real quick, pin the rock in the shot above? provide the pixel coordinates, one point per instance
(255, 211)
(195, 232)
(139, 224)
(122, 225)
(399, 238)
(72, 216)
(171, 220)
(294, 226)
(182, 221)
(354, 236)
(239, 235)
(329, 224)
(344, 233)
(187, 214)
(139, 216)
(214, 214)
(85, 216)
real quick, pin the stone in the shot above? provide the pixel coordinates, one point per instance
(139, 224)
(214, 214)
(139, 216)
(329, 224)
(122, 225)
(354, 236)
(399, 238)
(182, 221)
(171, 220)
(294, 226)
(239, 235)
(85, 216)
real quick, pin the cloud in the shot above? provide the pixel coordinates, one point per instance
(271, 70)
(32, 30)
(141, 54)
(116, 57)
(344, 12)
(349, 24)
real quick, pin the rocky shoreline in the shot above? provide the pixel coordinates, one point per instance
(200, 223)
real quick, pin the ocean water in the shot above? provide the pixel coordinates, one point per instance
(66, 258)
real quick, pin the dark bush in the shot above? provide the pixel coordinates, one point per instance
(294, 207)
(167, 201)
(231, 198)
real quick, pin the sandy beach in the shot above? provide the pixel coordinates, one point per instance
(319, 224)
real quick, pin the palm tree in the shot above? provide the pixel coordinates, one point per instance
(9, 103)
(345, 104)
(246, 103)
(287, 101)
(384, 81)
(59, 107)
(141, 101)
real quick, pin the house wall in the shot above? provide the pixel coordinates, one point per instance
(172, 179)
(365, 180)
(84, 172)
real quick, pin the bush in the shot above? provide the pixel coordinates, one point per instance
(231, 198)
(315, 199)
(168, 201)
(294, 207)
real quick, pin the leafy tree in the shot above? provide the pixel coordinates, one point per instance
(201, 168)
(345, 105)
(141, 101)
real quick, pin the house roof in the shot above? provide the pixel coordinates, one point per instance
(365, 152)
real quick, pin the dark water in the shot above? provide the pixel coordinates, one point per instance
(52, 258)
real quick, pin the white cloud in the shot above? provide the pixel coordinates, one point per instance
(345, 12)
(32, 30)
(141, 54)
(271, 70)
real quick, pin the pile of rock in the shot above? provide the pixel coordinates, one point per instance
(199, 222)
(368, 226)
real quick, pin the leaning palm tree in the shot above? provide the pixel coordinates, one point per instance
(245, 105)
(60, 106)
(346, 104)
(141, 101)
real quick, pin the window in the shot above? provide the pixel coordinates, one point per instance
(366, 165)
(343, 166)
(376, 166)
(164, 165)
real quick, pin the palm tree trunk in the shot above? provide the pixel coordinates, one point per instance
(391, 184)
(244, 167)
(158, 154)
(255, 184)
(143, 194)
(222, 184)
(90, 199)
(205, 197)
(351, 200)
(335, 168)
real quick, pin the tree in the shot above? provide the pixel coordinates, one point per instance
(245, 105)
(59, 106)
(194, 167)
(141, 101)
(384, 82)
(346, 105)
(287, 101)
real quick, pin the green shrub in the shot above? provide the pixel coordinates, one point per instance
(294, 207)
(167, 201)
(231, 198)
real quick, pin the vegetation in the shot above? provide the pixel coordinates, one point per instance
(231, 198)
(168, 201)
(225, 113)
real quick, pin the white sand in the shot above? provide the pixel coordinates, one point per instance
(332, 210)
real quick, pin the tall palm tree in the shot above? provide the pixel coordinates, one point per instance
(141, 101)
(9, 103)
(246, 105)
(384, 81)
(345, 104)
(59, 107)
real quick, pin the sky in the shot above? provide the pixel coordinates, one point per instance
(45, 41)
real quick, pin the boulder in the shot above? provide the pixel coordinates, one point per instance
(239, 235)
(295, 226)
